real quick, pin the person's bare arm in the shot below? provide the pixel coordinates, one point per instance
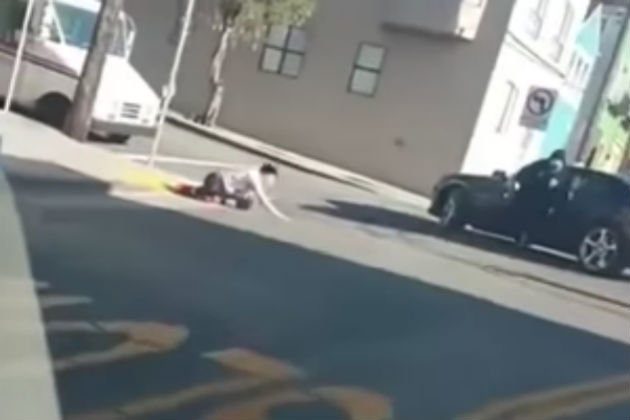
(264, 199)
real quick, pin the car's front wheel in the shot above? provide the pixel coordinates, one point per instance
(600, 251)
(453, 212)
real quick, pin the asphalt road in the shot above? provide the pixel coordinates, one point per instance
(335, 205)
(161, 307)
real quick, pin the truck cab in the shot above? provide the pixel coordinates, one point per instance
(125, 103)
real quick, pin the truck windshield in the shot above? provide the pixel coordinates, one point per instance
(78, 25)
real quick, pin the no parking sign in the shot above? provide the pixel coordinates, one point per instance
(538, 108)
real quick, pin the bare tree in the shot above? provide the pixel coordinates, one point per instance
(77, 124)
(248, 21)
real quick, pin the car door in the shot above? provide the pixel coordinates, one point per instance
(587, 197)
(491, 202)
(555, 227)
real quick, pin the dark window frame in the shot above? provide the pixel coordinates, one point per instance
(284, 51)
(356, 66)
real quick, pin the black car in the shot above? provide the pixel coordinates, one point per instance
(590, 220)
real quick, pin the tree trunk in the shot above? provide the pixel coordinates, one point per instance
(79, 119)
(217, 86)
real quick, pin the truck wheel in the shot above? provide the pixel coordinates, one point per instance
(52, 109)
(600, 251)
(118, 138)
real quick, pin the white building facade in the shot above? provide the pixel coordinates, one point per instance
(538, 51)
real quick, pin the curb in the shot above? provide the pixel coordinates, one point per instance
(299, 162)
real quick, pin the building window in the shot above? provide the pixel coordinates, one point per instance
(366, 70)
(284, 51)
(537, 18)
(560, 39)
(510, 93)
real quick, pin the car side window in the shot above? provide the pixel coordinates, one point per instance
(596, 188)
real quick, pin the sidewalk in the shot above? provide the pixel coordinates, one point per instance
(301, 162)
(27, 388)
(27, 139)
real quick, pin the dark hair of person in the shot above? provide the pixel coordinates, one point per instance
(268, 169)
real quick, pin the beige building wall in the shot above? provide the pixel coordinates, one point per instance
(416, 128)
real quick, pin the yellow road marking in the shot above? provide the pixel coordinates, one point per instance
(161, 403)
(254, 364)
(148, 179)
(257, 408)
(560, 402)
(263, 373)
(141, 338)
(356, 403)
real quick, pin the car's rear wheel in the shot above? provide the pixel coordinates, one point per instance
(600, 251)
(453, 211)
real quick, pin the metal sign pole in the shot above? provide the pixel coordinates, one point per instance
(18, 56)
(170, 89)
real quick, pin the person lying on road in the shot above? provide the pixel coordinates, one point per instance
(243, 187)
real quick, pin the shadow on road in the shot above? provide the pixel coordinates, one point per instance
(429, 352)
(373, 215)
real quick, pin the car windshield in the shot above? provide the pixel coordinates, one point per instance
(78, 26)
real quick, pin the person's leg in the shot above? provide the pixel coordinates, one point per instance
(244, 201)
(525, 216)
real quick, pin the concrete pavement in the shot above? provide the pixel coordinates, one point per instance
(378, 217)
(158, 306)
(291, 321)
(28, 139)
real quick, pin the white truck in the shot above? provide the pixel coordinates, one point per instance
(125, 104)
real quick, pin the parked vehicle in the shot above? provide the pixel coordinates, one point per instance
(591, 221)
(54, 57)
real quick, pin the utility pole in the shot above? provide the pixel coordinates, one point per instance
(78, 121)
(18, 56)
(169, 90)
